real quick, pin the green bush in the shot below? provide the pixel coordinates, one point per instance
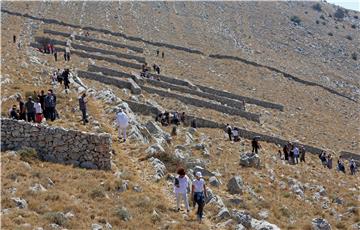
(295, 19)
(27, 154)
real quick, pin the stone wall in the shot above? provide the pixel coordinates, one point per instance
(205, 123)
(205, 104)
(287, 75)
(57, 144)
(249, 100)
(128, 83)
(91, 39)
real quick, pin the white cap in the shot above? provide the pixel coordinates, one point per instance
(198, 174)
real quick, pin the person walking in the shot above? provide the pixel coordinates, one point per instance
(286, 152)
(49, 104)
(162, 54)
(122, 121)
(14, 38)
(329, 161)
(199, 194)
(22, 111)
(302, 154)
(30, 110)
(38, 111)
(83, 108)
(228, 131)
(255, 145)
(182, 184)
(55, 55)
(296, 155)
(65, 77)
(352, 167)
(157, 53)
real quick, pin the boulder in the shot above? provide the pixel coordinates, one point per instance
(37, 188)
(320, 224)
(203, 171)
(160, 168)
(250, 160)
(235, 185)
(154, 149)
(242, 217)
(19, 202)
(263, 225)
(223, 214)
(263, 214)
(214, 181)
(96, 227)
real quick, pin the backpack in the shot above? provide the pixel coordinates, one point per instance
(177, 183)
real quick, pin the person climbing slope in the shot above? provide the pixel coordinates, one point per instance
(199, 194)
(122, 121)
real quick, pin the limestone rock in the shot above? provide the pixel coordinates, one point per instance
(214, 181)
(203, 171)
(223, 214)
(37, 188)
(96, 227)
(320, 224)
(154, 149)
(263, 225)
(242, 217)
(235, 185)
(250, 160)
(19, 202)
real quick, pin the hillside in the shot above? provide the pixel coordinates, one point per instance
(299, 75)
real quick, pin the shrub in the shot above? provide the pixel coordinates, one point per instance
(356, 17)
(317, 21)
(317, 7)
(296, 20)
(322, 17)
(349, 37)
(353, 26)
(306, 12)
(330, 34)
(336, 27)
(354, 56)
(56, 217)
(97, 193)
(324, 23)
(123, 213)
(339, 13)
(27, 154)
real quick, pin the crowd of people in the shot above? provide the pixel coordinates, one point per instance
(36, 108)
(145, 71)
(197, 189)
(167, 118)
(327, 162)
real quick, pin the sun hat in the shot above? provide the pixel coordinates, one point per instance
(198, 174)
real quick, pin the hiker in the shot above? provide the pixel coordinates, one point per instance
(174, 131)
(235, 134)
(162, 54)
(291, 153)
(82, 104)
(22, 112)
(228, 130)
(193, 123)
(30, 110)
(42, 100)
(199, 194)
(55, 55)
(65, 76)
(67, 54)
(59, 77)
(49, 48)
(122, 121)
(286, 152)
(329, 161)
(14, 38)
(255, 145)
(180, 188)
(157, 53)
(175, 119)
(13, 113)
(54, 78)
(157, 69)
(49, 104)
(296, 155)
(302, 154)
(352, 167)
(38, 111)
(323, 159)
(182, 117)
(341, 166)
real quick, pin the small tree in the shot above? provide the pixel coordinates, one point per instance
(317, 7)
(339, 13)
(349, 37)
(296, 20)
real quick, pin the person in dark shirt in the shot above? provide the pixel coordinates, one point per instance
(30, 110)
(255, 145)
(13, 113)
(22, 113)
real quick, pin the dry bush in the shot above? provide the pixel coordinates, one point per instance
(28, 154)
(56, 217)
(97, 193)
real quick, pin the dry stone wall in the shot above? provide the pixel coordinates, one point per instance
(91, 39)
(205, 123)
(57, 144)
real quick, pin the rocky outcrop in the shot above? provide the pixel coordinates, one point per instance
(250, 160)
(57, 144)
(235, 185)
(320, 224)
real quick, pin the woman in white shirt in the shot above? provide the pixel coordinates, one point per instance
(199, 194)
(180, 188)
